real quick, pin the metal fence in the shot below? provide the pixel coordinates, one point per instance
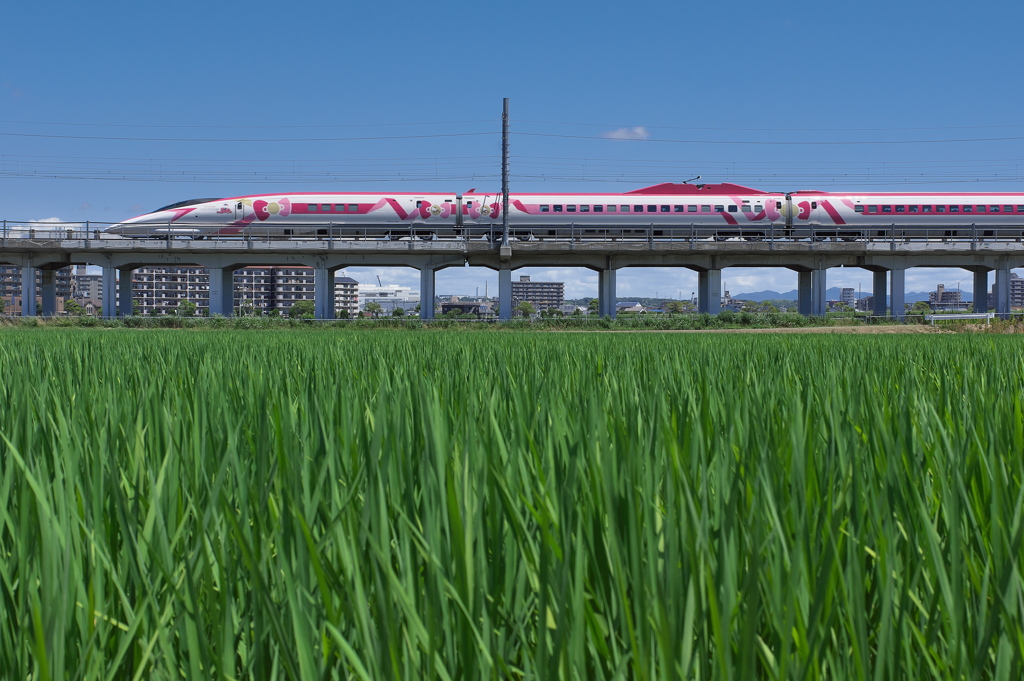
(693, 233)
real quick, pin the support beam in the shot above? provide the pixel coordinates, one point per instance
(323, 293)
(819, 304)
(804, 294)
(505, 292)
(1001, 292)
(427, 295)
(222, 291)
(880, 293)
(49, 291)
(28, 291)
(124, 293)
(709, 291)
(980, 291)
(109, 292)
(607, 294)
(898, 281)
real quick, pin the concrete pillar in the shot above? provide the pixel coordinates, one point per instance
(709, 291)
(28, 291)
(49, 281)
(818, 302)
(804, 294)
(222, 291)
(1001, 292)
(980, 291)
(427, 294)
(124, 293)
(109, 297)
(505, 292)
(898, 281)
(607, 295)
(880, 292)
(323, 293)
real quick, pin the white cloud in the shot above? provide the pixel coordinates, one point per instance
(664, 282)
(637, 133)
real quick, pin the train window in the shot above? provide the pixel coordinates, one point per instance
(598, 209)
(901, 209)
(558, 208)
(691, 209)
(638, 209)
(613, 209)
(623, 209)
(814, 204)
(993, 209)
(981, 209)
(419, 204)
(733, 208)
(705, 209)
(584, 209)
(758, 208)
(545, 209)
(353, 208)
(886, 209)
(326, 207)
(665, 209)
(858, 209)
(940, 209)
(652, 209)
(339, 207)
(955, 209)
(778, 205)
(1020, 209)
(746, 207)
(570, 208)
(719, 209)
(926, 209)
(872, 209)
(913, 209)
(1007, 209)
(311, 208)
(678, 209)
(968, 209)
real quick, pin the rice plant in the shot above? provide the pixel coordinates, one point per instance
(422, 504)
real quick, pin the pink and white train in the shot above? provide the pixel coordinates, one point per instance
(668, 210)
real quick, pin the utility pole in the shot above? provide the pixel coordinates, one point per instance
(504, 173)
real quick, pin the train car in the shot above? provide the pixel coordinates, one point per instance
(663, 211)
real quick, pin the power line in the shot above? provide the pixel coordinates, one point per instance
(768, 142)
(281, 139)
(247, 127)
(803, 129)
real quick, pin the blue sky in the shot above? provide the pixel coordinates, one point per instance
(730, 91)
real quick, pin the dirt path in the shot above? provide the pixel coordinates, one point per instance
(896, 328)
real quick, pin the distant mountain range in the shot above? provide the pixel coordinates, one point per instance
(833, 294)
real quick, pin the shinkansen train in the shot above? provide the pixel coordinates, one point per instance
(707, 211)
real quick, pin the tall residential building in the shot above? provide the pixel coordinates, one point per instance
(847, 297)
(346, 296)
(1016, 290)
(541, 294)
(941, 299)
(257, 290)
(10, 288)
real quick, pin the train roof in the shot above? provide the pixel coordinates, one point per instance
(684, 189)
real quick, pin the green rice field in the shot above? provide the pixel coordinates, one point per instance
(325, 504)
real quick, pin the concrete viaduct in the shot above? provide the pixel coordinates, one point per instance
(888, 260)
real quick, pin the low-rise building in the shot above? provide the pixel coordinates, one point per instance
(388, 297)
